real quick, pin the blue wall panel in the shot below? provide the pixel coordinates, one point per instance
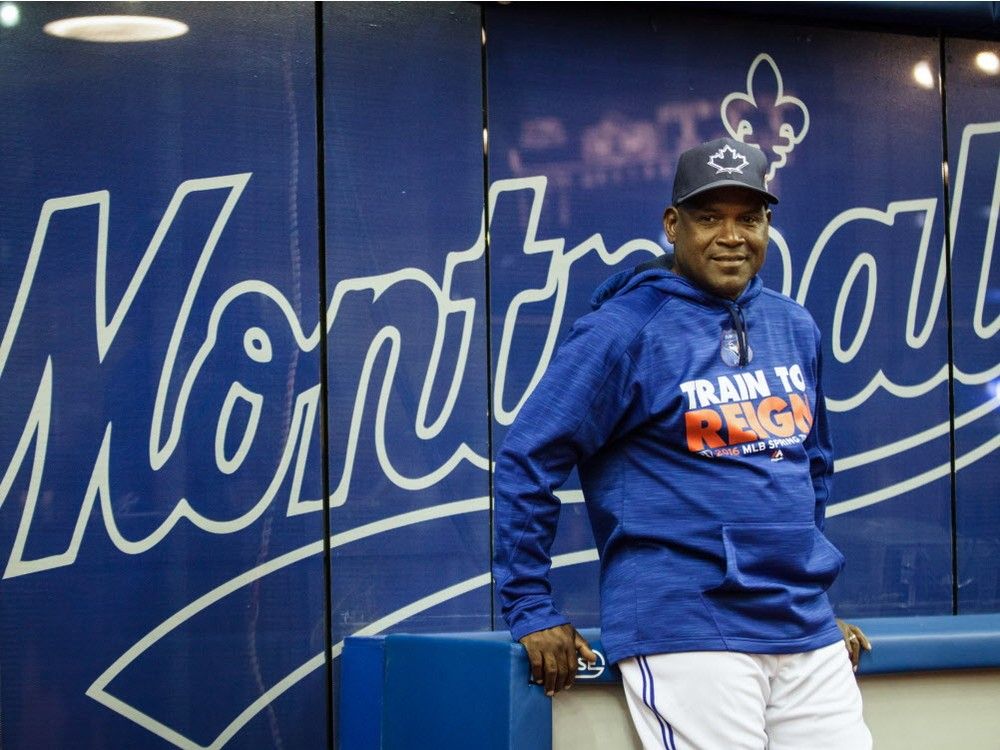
(587, 116)
(407, 350)
(159, 368)
(973, 148)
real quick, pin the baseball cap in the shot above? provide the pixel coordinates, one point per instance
(720, 163)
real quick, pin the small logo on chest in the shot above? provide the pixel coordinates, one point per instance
(730, 348)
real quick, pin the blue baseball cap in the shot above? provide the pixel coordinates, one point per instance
(721, 163)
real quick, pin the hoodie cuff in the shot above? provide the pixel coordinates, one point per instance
(539, 615)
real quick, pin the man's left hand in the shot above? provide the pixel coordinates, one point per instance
(855, 640)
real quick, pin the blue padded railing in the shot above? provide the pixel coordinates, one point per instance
(459, 690)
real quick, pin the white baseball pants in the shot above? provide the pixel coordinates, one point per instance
(721, 700)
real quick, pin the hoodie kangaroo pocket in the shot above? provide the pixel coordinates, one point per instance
(776, 578)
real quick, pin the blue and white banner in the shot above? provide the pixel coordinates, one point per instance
(159, 365)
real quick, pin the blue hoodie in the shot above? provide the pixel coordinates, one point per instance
(699, 430)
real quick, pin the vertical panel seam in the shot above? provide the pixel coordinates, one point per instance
(323, 370)
(946, 184)
(487, 301)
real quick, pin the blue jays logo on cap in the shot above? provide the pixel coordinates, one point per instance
(720, 163)
(734, 159)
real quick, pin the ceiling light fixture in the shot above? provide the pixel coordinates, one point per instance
(988, 62)
(10, 15)
(116, 28)
(923, 75)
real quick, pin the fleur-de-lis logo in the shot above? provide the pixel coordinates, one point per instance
(764, 115)
(731, 164)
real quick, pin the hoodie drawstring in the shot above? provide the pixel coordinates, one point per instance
(741, 331)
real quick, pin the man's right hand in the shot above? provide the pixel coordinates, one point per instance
(552, 654)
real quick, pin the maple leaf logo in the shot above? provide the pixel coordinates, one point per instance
(764, 115)
(731, 164)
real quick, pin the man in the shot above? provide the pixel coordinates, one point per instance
(690, 401)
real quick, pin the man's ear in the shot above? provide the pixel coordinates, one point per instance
(767, 215)
(670, 219)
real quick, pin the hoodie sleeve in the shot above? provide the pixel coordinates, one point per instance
(586, 393)
(819, 445)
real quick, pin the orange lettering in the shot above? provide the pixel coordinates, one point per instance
(801, 412)
(751, 417)
(703, 427)
(774, 418)
(736, 425)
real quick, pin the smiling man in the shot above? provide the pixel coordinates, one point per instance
(690, 401)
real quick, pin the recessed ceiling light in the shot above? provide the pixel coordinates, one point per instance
(923, 75)
(988, 62)
(116, 28)
(10, 14)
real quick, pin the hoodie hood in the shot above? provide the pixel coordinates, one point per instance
(657, 272)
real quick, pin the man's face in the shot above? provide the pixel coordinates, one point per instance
(719, 239)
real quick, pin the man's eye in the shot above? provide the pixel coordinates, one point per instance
(706, 219)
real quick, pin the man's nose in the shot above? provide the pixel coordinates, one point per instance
(729, 234)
